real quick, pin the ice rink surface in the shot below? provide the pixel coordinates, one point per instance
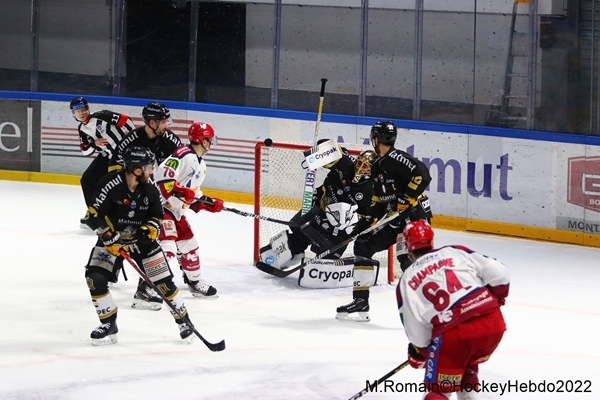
(282, 341)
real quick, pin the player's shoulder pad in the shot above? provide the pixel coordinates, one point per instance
(182, 151)
(460, 247)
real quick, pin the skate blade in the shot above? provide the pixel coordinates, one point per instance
(110, 339)
(201, 296)
(145, 305)
(190, 339)
(361, 317)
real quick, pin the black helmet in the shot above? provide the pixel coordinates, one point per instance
(78, 102)
(155, 111)
(385, 132)
(137, 156)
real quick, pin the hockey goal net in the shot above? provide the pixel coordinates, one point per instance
(279, 189)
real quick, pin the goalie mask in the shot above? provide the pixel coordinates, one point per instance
(362, 166)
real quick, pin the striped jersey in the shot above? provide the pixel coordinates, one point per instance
(103, 124)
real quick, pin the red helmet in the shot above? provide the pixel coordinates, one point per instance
(199, 131)
(418, 235)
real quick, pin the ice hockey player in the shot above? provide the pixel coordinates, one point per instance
(400, 181)
(99, 134)
(449, 302)
(126, 214)
(344, 195)
(162, 142)
(155, 135)
(179, 178)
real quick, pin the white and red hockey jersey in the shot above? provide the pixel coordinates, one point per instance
(447, 286)
(185, 167)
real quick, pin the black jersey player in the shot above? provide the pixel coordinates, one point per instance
(155, 135)
(126, 214)
(399, 184)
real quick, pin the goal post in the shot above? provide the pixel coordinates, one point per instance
(278, 193)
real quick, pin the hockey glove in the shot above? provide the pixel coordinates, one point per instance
(148, 233)
(416, 356)
(209, 204)
(184, 193)
(114, 244)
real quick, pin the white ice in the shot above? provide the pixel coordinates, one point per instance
(282, 341)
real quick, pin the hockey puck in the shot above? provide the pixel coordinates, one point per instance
(268, 142)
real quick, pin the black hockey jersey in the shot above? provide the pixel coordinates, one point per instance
(399, 179)
(103, 124)
(162, 146)
(121, 210)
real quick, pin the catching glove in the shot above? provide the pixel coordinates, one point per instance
(148, 233)
(416, 356)
(184, 193)
(209, 204)
(114, 244)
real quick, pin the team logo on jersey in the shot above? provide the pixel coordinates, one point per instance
(133, 204)
(171, 162)
(358, 196)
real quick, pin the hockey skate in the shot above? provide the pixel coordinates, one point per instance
(145, 298)
(358, 305)
(105, 334)
(200, 288)
(83, 221)
(186, 332)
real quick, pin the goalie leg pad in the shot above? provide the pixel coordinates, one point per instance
(326, 274)
(278, 252)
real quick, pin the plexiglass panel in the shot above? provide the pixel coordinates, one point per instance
(320, 42)
(15, 44)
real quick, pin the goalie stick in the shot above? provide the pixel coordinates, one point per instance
(211, 346)
(282, 274)
(378, 381)
(309, 181)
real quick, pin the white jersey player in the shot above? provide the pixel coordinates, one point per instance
(449, 301)
(179, 178)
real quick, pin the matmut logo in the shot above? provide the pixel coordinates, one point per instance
(584, 182)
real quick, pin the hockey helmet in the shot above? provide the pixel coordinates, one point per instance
(79, 102)
(385, 132)
(199, 131)
(79, 107)
(137, 156)
(362, 165)
(155, 111)
(418, 235)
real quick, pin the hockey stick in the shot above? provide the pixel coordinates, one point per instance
(309, 181)
(211, 346)
(249, 214)
(378, 381)
(282, 274)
